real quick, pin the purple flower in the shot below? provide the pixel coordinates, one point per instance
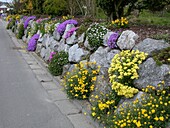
(27, 21)
(51, 55)
(33, 42)
(112, 40)
(70, 32)
(61, 27)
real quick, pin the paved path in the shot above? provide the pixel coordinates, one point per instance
(29, 98)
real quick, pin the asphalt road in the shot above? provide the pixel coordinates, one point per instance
(23, 101)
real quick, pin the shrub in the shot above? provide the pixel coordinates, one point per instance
(123, 71)
(104, 105)
(20, 31)
(95, 35)
(80, 82)
(57, 62)
(151, 111)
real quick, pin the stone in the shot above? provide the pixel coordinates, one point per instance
(40, 38)
(86, 44)
(79, 120)
(123, 103)
(56, 34)
(47, 54)
(57, 95)
(45, 41)
(102, 86)
(50, 85)
(149, 45)
(81, 38)
(127, 40)
(43, 52)
(54, 44)
(38, 48)
(103, 56)
(67, 107)
(76, 54)
(62, 46)
(106, 37)
(68, 27)
(71, 39)
(24, 38)
(65, 69)
(151, 74)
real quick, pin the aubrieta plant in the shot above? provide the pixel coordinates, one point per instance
(151, 111)
(112, 40)
(120, 23)
(80, 82)
(95, 35)
(123, 71)
(57, 62)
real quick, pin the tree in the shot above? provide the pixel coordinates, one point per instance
(116, 8)
(55, 7)
(155, 5)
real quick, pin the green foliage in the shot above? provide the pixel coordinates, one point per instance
(148, 18)
(155, 5)
(57, 62)
(162, 37)
(20, 31)
(115, 9)
(11, 24)
(55, 7)
(80, 82)
(162, 56)
(95, 35)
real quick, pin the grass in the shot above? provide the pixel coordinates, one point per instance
(156, 18)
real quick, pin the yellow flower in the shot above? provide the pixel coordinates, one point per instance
(153, 110)
(93, 114)
(138, 124)
(156, 118)
(161, 118)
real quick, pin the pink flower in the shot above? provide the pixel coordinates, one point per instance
(51, 55)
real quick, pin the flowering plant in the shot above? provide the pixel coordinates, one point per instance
(51, 55)
(57, 62)
(95, 35)
(151, 111)
(70, 32)
(123, 71)
(27, 21)
(80, 82)
(112, 40)
(61, 27)
(120, 23)
(33, 42)
(103, 106)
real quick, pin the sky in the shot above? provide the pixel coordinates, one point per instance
(6, 0)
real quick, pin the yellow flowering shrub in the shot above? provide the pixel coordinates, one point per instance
(8, 17)
(80, 82)
(120, 23)
(123, 71)
(152, 111)
(103, 105)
